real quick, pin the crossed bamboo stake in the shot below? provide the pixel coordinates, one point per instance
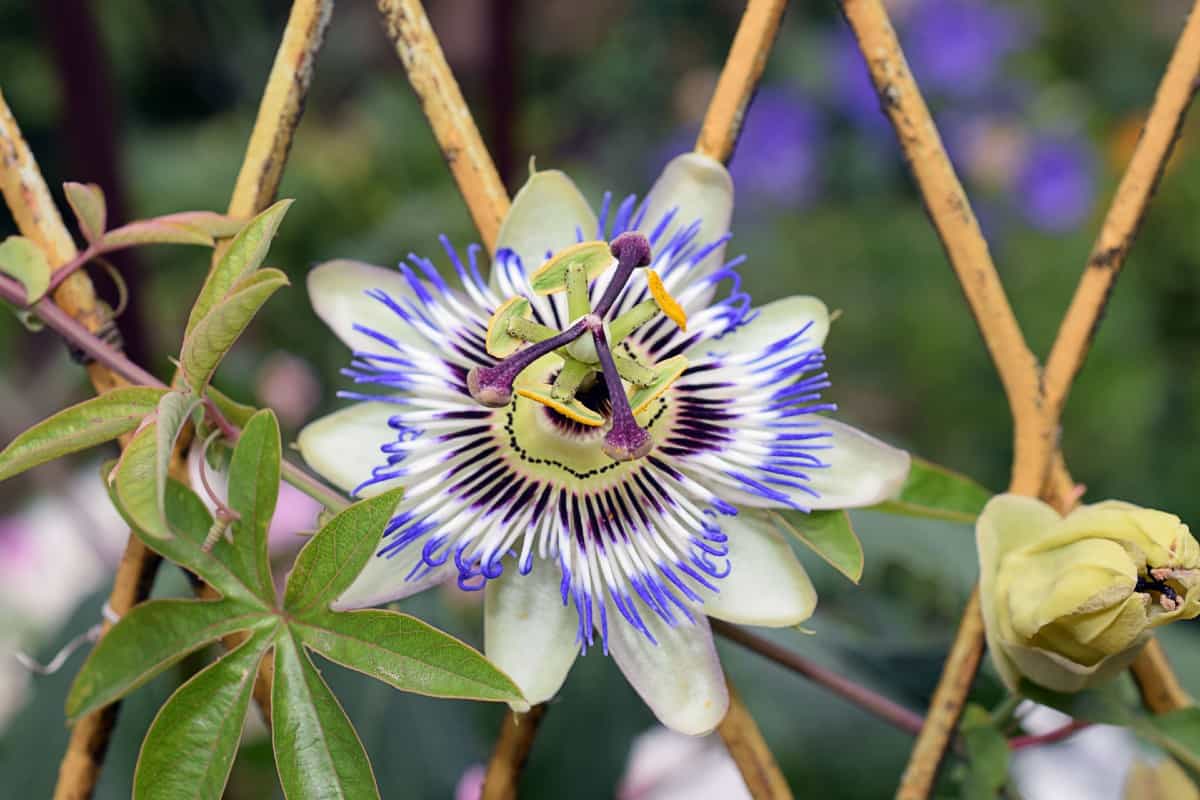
(1036, 396)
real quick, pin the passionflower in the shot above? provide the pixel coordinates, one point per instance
(1069, 601)
(591, 438)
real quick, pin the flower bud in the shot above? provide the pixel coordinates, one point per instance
(1069, 601)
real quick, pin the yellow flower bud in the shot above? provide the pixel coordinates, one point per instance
(1069, 601)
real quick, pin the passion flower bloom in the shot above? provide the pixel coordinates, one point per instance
(1069, 601)
(591, 438)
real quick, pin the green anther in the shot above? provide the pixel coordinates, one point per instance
(529, 331)
(578, 302)
(569, 378)
(631, 320)
(634, 372)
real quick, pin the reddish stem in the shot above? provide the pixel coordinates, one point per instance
(1050, 737)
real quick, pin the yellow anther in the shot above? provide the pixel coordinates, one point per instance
(667, 304)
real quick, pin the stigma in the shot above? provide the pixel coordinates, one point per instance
(586, 346)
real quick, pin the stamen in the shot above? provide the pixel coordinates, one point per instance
(493, 386)
(631, 320)
(625, 440)
(632, 251)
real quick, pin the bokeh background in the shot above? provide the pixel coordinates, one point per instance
(1039, 104)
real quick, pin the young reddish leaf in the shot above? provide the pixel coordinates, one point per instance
(253, 491)
(332, 559)
(406, 653)
(153, 231)
(147, 640)
(218, 226)
(207, 343)
(317, 750)
(79, 427)
(134, 483)
(20, 258)
(189, 749)
(245, 255)
(87, 201)
(829, 535)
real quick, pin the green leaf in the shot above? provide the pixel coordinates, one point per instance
(25, 261)
(79, 427)
(136, 485)
(173, 412)
(188, 517)
(87, 201)
(934, 492)
(404, 652)
(153, 231)
(1177, 732)
(1109, 703)
(987, 754)
(253, 491)
(147, 640)
(237, 413)
(829, 535)
(317, 750)
(207, 343)
(190, 746)
(332, 559)
(245, 255)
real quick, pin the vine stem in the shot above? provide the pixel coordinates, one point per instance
(1035, 400)
(873, 703)
(517, 732)
(119, 365)
(1050, 737)
(37, 218)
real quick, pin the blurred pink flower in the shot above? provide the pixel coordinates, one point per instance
(666, 765)
(288, 385)
(470, 785)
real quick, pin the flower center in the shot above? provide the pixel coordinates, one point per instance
(571, 395)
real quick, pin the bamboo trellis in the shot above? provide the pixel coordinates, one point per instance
(1036, 396)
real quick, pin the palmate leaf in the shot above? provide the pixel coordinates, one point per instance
(829, 534)
(317, 750)
(147, 640)
(332, 559)
(245, 255)
(190, 520)
(79, 427)
(212, 337)
(404, 652)
(934, 492)
(253, 491)
(190, 746)
(141, 474)
(237, 413)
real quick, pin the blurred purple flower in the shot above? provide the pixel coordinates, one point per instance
(1056, 184)
(956, 47)
(777, 159)
(853, 92)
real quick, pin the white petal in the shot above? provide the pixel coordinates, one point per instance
(344, 446)
(337, 290)
(766, 584)
(680, 677)
(700, 187)
(527, 630)
(545, 215)
(772, 322)
(862, 470)
(383, 580)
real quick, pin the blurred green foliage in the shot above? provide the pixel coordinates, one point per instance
(602, 90)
